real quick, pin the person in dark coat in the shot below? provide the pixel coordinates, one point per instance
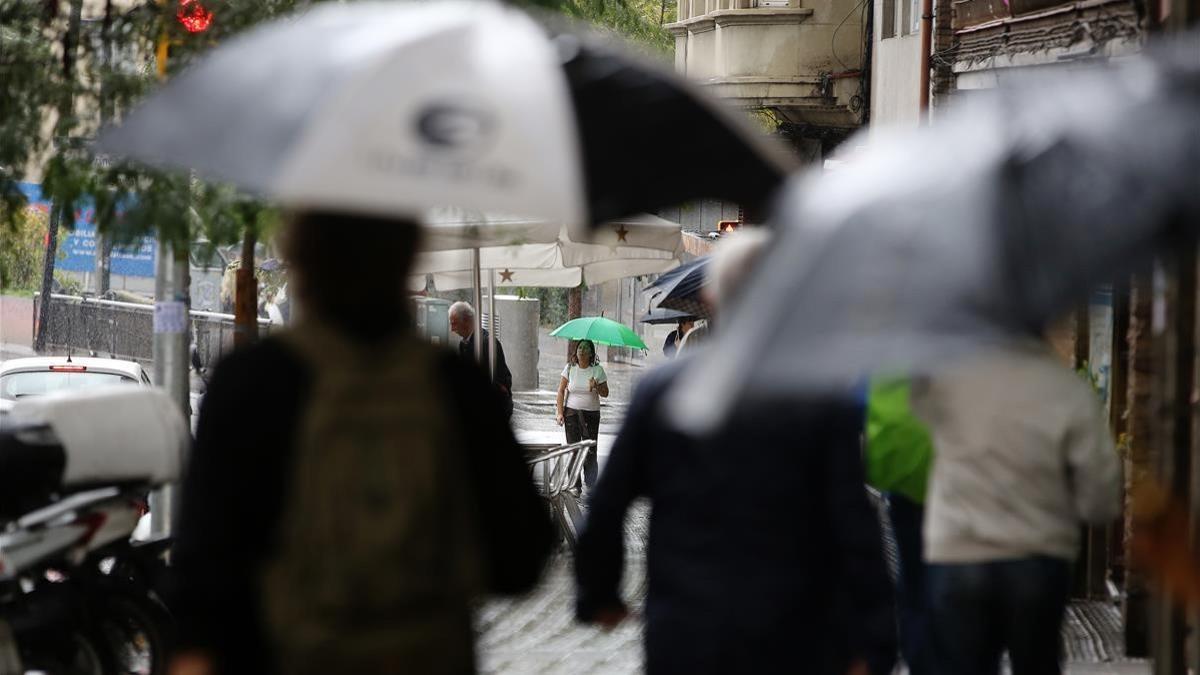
(671, 345)
(462, 324)
(764, 554)
(336, 517)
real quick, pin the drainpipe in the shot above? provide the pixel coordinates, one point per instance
(926, 48)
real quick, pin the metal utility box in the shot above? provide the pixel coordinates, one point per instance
(433, 319)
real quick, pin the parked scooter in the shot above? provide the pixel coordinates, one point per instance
(76, 594)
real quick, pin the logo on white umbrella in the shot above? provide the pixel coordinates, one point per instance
(453, 126)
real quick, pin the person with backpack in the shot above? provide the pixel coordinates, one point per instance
(582, 386)
(354, 533)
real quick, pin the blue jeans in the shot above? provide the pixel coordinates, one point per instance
(979, 610)
(907, 519)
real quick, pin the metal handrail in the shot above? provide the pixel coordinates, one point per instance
(559, 451)
(561, 469)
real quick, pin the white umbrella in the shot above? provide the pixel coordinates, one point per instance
(451, 241)
(395, 108)
(522, 252)
(559, 277)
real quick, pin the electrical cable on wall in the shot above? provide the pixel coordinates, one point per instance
(833, 39)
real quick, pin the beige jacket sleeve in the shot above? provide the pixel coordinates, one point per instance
(1093, 465)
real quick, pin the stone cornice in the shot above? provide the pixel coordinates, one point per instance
(699, 24)
(759, 16)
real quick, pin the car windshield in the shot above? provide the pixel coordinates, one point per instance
(39, 382)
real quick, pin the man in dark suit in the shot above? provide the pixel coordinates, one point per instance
(764, 553)
(462, 324)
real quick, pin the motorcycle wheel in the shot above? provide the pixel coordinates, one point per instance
(136, 633)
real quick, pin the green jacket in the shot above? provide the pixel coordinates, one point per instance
(899, 449)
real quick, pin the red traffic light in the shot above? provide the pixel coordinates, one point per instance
(195, 17)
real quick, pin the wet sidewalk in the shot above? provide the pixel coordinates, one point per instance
(537, 634)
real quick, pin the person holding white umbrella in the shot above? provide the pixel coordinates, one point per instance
(378, 518)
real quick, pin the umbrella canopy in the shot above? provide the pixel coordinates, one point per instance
(600, 330)
(891, 266)
(667, 279)
(660, 316)
(680, 289)
(686, 294)
(534, 255)
(408, 106)
(557, 277)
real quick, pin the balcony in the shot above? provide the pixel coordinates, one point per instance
(801, 59)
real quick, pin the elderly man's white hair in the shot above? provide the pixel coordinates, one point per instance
(735, 256)
(462, 309)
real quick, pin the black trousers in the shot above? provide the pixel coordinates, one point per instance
(582, 425)
(979, 610)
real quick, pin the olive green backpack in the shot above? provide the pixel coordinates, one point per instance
(378, 552)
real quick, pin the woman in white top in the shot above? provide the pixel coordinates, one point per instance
(583, 383)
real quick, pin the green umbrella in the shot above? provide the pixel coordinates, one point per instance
(601, 330)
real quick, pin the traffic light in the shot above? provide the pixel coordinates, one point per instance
(194, 16)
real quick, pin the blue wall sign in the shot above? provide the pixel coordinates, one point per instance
(79, 246)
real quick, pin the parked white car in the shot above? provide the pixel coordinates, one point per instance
(40, 375)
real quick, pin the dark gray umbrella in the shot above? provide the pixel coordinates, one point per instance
(683, 291)
(680, 289)
(660, 316)
(987, 225)
(668, 279)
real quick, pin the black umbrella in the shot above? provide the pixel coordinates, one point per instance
(626, 105)
(668, 279)
(681, 291)
(662, 316)
(900, 265)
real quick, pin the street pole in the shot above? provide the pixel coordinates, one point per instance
(171, 340)
(477, 303)
(492, 323)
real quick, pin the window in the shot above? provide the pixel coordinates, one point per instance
(40, 382)
(888, 25)
(912, 17)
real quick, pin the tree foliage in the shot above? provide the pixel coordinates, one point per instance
(638, 20)
(20, 250)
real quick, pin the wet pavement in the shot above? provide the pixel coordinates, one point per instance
(538, 634)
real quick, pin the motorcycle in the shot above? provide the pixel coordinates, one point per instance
(77, 594)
